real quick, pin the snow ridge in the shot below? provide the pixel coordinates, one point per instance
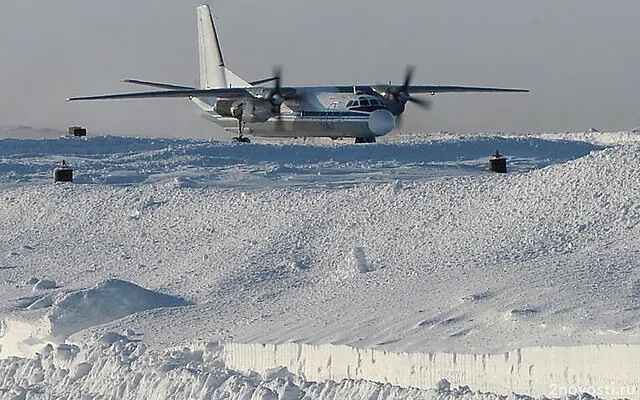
(125, 369)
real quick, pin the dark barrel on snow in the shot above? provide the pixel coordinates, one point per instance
(63, 173)
(498, 163)
(77, 131)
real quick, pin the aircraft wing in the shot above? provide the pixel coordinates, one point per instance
(457, 89)
(257, 92)
(430, 89)
(226, 93)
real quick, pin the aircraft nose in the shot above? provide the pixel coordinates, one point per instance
(381, 122)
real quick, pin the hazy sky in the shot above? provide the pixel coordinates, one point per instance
(580, 58)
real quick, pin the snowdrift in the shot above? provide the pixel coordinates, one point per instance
(74, 311)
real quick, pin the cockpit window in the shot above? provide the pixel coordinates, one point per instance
(350, 103)
(355, 104)
(364, 102)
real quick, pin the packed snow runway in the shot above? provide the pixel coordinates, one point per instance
(157, 271)
(323, 164)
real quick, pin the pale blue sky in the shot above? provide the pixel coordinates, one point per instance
(580, 58)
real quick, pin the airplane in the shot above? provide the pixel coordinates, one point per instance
(362, 112)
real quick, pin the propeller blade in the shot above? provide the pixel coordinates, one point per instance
(422, 103)
(408, 76)
(275, 95)
(276, 98)
(277, 74)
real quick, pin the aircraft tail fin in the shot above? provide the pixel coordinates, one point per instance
(213, 73)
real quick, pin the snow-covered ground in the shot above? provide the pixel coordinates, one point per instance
(400, 270)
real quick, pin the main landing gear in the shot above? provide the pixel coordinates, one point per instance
(370, 139)
(240, 138)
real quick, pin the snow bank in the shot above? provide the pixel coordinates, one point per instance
(608, 371)
(596, 137)
(107, 301)
(125, 369)
(117, 366)
(592, 136)
(72, 312)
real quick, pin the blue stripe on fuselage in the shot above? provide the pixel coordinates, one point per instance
(335, 114)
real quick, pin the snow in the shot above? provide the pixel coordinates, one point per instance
(128, 370)
(44, 284)
(178, 268)
(71, 312)
(525, 370)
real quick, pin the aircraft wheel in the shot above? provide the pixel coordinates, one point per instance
(242, 139)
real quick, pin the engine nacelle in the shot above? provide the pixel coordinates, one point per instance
(223, 107)
(245, 110)
(395, 106)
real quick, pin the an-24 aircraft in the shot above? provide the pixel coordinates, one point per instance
(363, 112)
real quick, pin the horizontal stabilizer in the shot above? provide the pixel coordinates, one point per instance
(160, 85)
(234, 80)
(156, 84)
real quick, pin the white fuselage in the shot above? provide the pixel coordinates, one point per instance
(317, 112)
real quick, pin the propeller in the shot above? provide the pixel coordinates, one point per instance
(275, 94)
(400, 96)
(276, 98)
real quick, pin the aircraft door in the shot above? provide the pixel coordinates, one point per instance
(332, 117)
